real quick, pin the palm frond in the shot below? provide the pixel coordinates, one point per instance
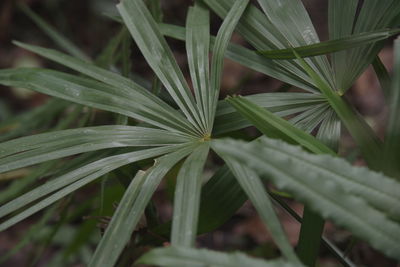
(296, 171)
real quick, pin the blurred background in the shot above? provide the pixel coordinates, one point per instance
(87, 24)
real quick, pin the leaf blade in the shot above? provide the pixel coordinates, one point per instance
(71, 181)
(330, 46)
(320, 190)
(219, 49)
(187, 198)
(126, 87)
(254, 188)
(27, 151)
(155, 49)
(89, 92)
(270, 124)
(197, 47)
(134, 202)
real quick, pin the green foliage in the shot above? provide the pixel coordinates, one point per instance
(176, 256)
(152, 138)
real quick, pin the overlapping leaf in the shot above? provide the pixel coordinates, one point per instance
(155, 49)
(273, 126)
(197, 47)
(318, 180)
(254, 188)
(250, 59)
(219, 48)
(187, 198)
(331, 46)
(132, 207)
(34, 149)
(111, 83)
(281, 104)
(89, 92)
(61, 186)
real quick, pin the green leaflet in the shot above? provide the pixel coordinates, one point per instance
(373, 15)
(92, 93)
(318, 180)
(197, 47)
(281, 104)
(254, 188)
(331, 46)
(263, 34)
(155, 49)
(250, 59)
(132, 207)
(221, 197)
(110, 82)
(187, 198)
(274, 126)
(26, 151)
(219, 48)
(179, 257)
(72, 181)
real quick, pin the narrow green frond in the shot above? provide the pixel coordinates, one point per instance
(95, 94)
(219, 48)
(121, 85)
(70, 182)
(221, 197)
(291, 27)
(26, 151)
(187, 198)
(197, 47)
(250, 59)
(158, 55)
(341, 19)
(276, 127)
(177, 256)
(281, 104)
(291, 18)
(131, 208)
(331, 46)
(373, 15)
(254, 188)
